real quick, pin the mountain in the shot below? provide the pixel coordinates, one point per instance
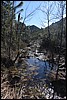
(36, 34)
(55, 34)
(33, 28)
(54, 28)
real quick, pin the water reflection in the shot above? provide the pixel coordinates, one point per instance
(43, 69)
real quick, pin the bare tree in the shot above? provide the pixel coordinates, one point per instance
(47, 10)
(11, 31)
(26, 18)
(30, 15)
(12, 10)
(62, 7)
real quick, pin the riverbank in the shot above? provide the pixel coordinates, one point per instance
(26, 87)
(17, 81)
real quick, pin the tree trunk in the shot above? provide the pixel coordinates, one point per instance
(52, 60)
(60, 41)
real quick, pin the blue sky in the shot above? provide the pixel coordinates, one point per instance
(38, 18)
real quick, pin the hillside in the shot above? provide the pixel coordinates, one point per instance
(34, 34)
(33, 28)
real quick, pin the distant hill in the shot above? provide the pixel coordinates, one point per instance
(33, 28)
(55, 30)
(34, 33)
(37, 33)
(54, 26)
(55, 34)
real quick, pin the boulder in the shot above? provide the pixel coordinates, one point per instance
(7, 62)
(59, 87)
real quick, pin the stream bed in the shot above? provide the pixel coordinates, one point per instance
(37, 78)
(42, 67)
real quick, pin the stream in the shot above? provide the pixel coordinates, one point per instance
(38, 71)
(42, 67)
(43, 70)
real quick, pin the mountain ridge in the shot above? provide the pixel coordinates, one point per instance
(34, 26)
